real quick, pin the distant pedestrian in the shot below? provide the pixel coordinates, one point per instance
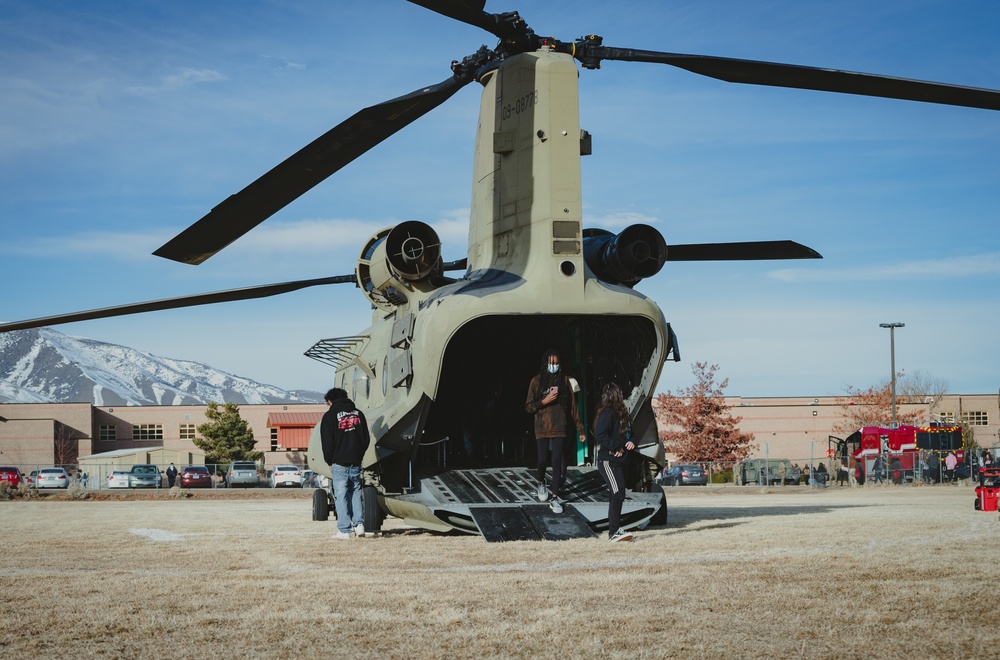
(950, 463)
(843, 475)
(171, 475)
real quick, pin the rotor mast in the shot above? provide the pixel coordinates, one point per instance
(526, 199)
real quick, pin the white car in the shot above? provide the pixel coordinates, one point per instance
(118, 479)
(285, 475)
(52, 478)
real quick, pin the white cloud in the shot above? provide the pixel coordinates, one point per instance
(127, 246)
(177, 81)
(284, 62)
(931, 269)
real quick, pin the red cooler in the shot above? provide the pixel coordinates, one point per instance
(988, 489)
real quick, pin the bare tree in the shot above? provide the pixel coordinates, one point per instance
(921, 388)
(65, 446)
(871, 407)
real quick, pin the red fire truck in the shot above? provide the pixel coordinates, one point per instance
(901, 454)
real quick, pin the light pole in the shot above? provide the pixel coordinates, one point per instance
(892, 356)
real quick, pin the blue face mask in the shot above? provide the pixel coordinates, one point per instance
(553, 368)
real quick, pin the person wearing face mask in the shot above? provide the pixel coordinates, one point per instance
(551, 401)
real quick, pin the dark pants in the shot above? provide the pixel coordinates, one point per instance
(551, 449)
(614, 479)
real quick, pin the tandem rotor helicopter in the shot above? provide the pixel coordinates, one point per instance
(534, 277)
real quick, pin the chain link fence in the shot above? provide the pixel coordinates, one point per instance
(110, 476)
(907, 468)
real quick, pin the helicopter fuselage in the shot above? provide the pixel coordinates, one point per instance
(436, 349)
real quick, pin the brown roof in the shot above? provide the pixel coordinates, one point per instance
(278, 419)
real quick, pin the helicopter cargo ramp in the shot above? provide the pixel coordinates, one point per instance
(501, 505)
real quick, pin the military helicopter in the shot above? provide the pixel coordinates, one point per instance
(534, 277)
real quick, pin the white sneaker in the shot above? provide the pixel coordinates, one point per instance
(555, 505)
(359, 531)
(621, 535)
(340, 536)
(542, 492)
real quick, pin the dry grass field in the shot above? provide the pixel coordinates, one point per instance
(846, 573)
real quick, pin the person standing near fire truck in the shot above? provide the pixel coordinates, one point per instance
(950, 463)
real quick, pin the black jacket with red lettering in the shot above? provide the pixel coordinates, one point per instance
(344, 431)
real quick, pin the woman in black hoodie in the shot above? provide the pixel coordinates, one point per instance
(613, 430)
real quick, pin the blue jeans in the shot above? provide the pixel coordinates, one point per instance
(347, 496)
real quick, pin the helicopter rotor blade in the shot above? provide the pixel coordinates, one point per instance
(775, 74)
(243, 211)
(507, 26)
(229, 295)
(246, 293)
(746, 251)
(466, 11)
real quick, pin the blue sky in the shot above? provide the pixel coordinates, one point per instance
(123, 123)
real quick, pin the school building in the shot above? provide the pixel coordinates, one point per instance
(45, 434)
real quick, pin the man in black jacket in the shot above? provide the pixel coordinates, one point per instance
(344, 431)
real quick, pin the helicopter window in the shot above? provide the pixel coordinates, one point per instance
(385, 375)
(360, 384)
(567, 268)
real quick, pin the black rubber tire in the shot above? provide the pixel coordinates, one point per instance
(978, 504)
(660, 518)
(372, 511)
(321, 505)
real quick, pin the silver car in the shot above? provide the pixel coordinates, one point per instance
(242, 473)
(52, 478)
(144, 476)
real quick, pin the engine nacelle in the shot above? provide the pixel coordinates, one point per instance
(395, 259)
(636, 253)
(413, 250)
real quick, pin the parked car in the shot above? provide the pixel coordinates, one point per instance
(196, 476)
(684, 475)
(52, 478)
(769, 472)
(309, 479)
(242, 473)
(285, 475)
(144, 476)
(32, 476)
(118, 479)
(11, 475)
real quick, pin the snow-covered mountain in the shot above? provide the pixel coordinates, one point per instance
(42, 365)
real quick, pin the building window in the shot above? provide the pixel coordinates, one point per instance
(147, 432)
(947, 417)
(976, 418)
(187, 432)
(107, 433)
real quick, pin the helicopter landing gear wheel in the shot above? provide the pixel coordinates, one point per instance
(321, 504)
(373, 513)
